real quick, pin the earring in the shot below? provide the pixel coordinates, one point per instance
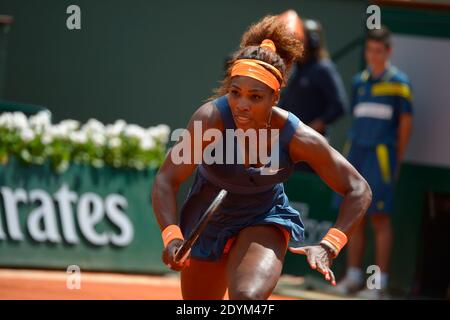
(268, 124)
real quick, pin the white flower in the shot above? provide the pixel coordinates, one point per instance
(79, 137)
(47, 138)
(19, 120)
(114, 130)
(115, 142)
(120, 124)
(147, 143)
(139, 165)
(63, 166)
(25, 155)
(161, 133)
(98, 139)
(58, 131)
(6, 120)
(164, 128)
(94, 125)
(27, 134)
(40, 121)
(134, 131)
(98, 163)
(69, 125)
(3, 119)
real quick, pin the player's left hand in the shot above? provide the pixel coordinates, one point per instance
(319, 259)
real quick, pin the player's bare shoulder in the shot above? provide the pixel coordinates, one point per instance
(279, 117)
(306, 142)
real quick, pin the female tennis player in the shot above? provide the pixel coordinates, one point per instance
(242, 249)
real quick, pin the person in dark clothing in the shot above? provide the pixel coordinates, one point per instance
(315, 92)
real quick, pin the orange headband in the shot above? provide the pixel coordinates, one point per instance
(257, 69)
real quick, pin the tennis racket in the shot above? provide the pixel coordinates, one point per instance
(185, 248)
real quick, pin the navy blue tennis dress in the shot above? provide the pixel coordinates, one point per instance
(252, 199)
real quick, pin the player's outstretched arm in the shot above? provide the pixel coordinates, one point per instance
(309, 146)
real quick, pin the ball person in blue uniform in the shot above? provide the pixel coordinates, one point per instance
(243, 247)
(382, 122)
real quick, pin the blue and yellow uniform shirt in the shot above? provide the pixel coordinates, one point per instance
(376, 106)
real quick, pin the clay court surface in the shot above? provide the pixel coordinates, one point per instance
(43, 285)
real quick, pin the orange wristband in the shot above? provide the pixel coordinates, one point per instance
(336, 239)
(171, 232)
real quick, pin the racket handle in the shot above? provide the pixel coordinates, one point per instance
(185, 248)
(182, 253)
